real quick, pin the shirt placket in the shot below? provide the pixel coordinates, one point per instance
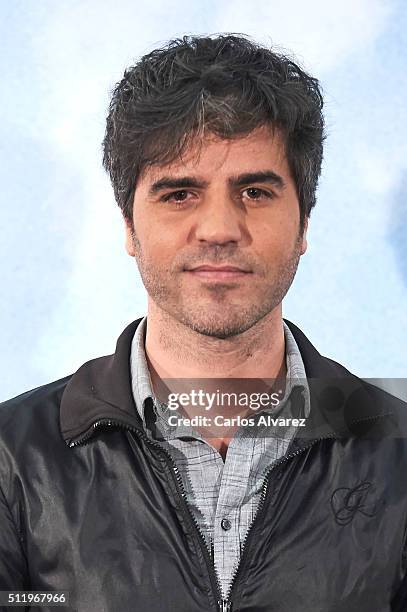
(227, 526)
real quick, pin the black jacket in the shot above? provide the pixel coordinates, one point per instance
(89, 505)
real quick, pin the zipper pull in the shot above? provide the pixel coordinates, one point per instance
(225, 606)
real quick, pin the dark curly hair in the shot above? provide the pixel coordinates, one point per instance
(226, 85)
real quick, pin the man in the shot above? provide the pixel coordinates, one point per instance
(214, 149)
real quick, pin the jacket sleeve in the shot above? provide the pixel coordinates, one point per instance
(399, 601)
(13, 566)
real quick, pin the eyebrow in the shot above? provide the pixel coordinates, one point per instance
(183, 182)
(188, 182)
(264, 176)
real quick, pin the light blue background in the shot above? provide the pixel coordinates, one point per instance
(68, 287)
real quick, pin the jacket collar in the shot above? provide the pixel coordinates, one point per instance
(101, 389)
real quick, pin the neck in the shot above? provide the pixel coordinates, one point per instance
(176, 351)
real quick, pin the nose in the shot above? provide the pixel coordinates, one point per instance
(219, 221)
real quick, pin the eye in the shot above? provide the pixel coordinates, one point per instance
(255, 193)
(176, 196)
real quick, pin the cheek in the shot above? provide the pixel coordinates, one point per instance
(279, 230)
(273, 242)
(159, 248)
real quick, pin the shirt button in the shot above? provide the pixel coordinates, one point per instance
(226, 524)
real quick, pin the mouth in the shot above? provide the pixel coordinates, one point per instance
(218, 272)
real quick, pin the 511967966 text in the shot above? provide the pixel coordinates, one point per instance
(37, 598)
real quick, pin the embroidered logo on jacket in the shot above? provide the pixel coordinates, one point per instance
(346, 502)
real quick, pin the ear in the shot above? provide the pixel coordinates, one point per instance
(129, 243)
(304, 243)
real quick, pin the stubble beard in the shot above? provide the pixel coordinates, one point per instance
(227, 320)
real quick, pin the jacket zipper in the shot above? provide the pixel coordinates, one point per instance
(223, 604)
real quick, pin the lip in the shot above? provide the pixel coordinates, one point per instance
(218, 272)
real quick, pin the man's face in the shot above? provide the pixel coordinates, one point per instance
(216, 234)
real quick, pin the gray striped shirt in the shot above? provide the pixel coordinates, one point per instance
(222, 496)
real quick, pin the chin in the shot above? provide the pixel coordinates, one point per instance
(220, 329)
(221, 321)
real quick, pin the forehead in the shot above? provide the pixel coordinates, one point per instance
(262, 148)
